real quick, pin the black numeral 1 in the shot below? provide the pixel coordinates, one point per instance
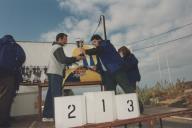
(103, 105)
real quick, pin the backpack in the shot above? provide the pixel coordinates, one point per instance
(12, 56)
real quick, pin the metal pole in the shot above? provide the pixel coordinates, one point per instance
(161, 123)
(104, 27)
(159, 66)
(168, 69)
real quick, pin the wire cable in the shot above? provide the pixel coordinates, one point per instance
(171, 30)
(187, 36)
(99, 23)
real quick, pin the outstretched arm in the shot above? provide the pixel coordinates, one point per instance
(92, 51)
(62, 58)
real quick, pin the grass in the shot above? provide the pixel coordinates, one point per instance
(161, 91)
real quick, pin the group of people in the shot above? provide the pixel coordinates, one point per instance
(115, 67)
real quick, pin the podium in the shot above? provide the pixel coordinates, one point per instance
(94, 108)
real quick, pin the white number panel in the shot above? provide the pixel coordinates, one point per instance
(70, 111)
(100, 106)
(127, 106)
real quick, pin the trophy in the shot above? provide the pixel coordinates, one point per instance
(43, 77)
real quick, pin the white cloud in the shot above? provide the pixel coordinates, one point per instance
(128, 21)
(49, 36)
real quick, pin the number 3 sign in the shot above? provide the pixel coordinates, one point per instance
(127, 106)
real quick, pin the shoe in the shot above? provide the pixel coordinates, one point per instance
(47, 120)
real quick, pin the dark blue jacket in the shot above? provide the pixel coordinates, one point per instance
(12, 57)
(131, 67)
(108, 55)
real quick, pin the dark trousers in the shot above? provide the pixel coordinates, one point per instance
(110, 81)
(54, 90)
(7, 93)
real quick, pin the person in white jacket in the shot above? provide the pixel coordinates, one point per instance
(57, 62)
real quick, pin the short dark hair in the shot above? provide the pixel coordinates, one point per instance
(96, 37)
(60, 35)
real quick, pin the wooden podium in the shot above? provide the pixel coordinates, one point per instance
(66, 84)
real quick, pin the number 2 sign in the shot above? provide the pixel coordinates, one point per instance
(70, 111)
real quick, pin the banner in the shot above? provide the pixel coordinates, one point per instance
(37, 58)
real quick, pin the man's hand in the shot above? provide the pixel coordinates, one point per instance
(79, 57)
(82, 51)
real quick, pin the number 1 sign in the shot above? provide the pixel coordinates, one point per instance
(70, 111)
(100, 106)
(127, 106)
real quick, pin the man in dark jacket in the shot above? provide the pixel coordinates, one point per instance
(12, 56)
(109, 64)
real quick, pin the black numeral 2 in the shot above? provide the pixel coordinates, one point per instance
(73, 109)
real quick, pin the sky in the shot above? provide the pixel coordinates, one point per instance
(127, 22)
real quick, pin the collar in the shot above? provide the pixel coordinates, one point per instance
(54, 43)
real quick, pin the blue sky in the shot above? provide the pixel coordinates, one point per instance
(126, 20)
(27, 19)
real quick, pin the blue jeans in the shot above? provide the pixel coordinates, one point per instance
(54, 90)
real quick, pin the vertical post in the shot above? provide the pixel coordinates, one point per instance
(161, 123)
(104, 27)
(140, 125)
(39, 100)
(168, 69)
(159, 66)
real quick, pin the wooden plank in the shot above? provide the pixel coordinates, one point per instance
(152, 118)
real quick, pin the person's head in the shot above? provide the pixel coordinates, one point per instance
(124, 51)
(61, 38)
(96, 39)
